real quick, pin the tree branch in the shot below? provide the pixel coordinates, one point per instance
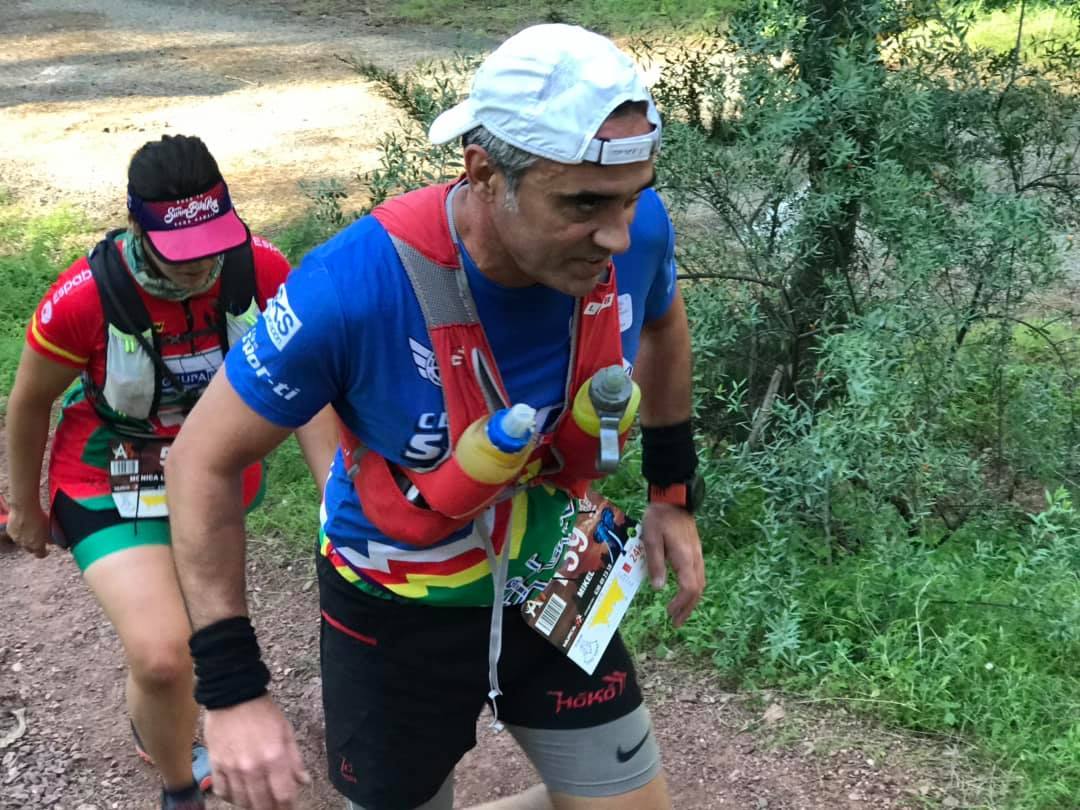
(729, 277)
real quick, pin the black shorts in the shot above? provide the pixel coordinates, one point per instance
(93, 528)
(403, 685)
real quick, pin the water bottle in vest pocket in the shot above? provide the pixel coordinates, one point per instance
(488, 456)
(130, 376)
(604, 408)
(423, 507)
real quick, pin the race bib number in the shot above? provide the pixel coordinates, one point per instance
(137, 478)
(602, 567)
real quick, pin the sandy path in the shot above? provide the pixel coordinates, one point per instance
(82, 85)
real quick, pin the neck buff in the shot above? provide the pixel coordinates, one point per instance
(159, 286)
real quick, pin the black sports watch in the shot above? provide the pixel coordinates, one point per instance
(688, 494)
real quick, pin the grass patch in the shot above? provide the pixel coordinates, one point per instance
(322, 219)
(997, 30)
(296, 238)
(607, 16)
(994, 30)
(289, 513)
(33, 252)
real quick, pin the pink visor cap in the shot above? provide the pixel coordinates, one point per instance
(190, 229)
(548, 90)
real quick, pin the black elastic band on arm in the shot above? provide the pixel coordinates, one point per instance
(667, 454)
(228, 665)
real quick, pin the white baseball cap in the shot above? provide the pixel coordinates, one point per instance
(548, 90)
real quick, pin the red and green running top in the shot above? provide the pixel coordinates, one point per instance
(69, 328)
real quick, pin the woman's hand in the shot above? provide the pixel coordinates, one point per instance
(39, 381)
(29, 528)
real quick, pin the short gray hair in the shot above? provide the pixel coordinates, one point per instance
(513, 161)
(507, 158)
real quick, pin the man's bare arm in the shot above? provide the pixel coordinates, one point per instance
(221, 437)
(669, 532)
(663, 368)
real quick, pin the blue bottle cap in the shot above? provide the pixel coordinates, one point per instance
(511, 428)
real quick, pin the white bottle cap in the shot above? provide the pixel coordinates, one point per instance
(519, 421)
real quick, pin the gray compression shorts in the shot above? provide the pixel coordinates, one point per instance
(608, 760)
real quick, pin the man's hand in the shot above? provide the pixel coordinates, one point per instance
(254, 757)
(29, 528)
(670, 536)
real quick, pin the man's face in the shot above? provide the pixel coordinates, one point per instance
(570, 220)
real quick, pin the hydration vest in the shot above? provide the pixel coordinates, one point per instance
(420, 225)
(134, 367)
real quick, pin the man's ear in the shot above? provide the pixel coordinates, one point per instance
(481, 172)
(134, 226)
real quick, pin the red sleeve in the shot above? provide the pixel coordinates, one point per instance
(271, 269)
(68, 320)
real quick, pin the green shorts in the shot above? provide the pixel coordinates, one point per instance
(93, 528)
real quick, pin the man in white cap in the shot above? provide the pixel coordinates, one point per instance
(550, 259)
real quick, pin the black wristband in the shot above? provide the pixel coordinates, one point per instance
(228, 664)
(667, 454)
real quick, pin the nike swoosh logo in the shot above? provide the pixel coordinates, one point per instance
(626, 756)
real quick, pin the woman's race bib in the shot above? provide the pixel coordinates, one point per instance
(137, 478)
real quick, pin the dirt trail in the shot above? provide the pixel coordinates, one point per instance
(60, 667)
(81, 86)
